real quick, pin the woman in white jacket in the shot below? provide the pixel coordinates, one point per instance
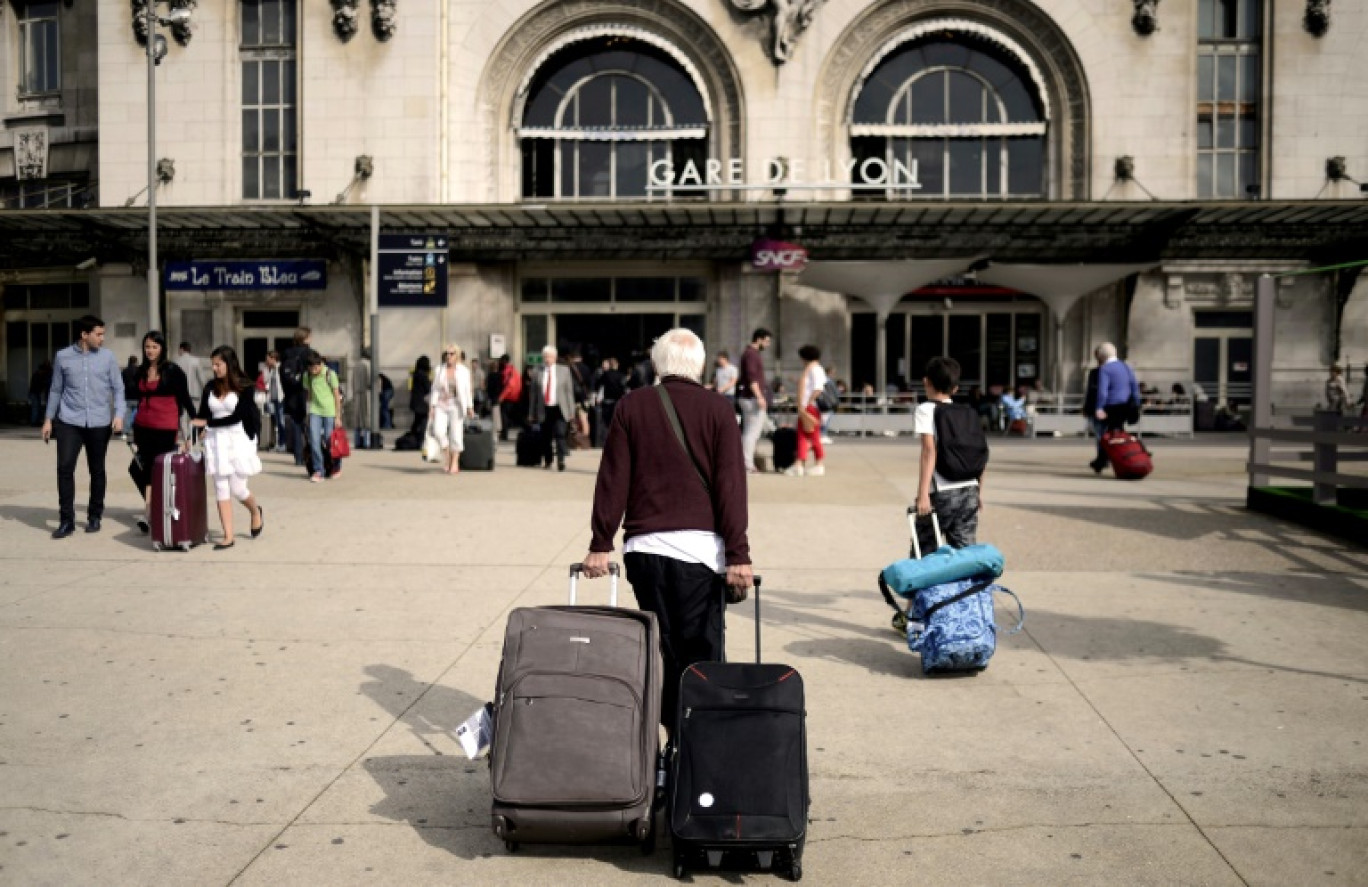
(452, 402)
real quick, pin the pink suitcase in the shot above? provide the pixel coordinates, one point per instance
(180, 508)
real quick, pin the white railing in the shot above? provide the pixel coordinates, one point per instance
(1052, 416)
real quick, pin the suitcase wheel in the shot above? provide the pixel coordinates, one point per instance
(680, 872)
(156, 546)
(795, 872)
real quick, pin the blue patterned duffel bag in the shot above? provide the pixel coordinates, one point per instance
(951, 625)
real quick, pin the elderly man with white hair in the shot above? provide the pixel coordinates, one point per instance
(1118, 398)
(552, 403)
(672, 467)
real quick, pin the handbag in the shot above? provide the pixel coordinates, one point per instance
(807, 422)
(431, 451)
(340, 446)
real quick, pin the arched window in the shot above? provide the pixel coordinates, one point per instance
(600, 112)
(960, 112)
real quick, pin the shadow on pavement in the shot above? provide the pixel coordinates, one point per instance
(1295, 587)
(446, 798)
(32, 516)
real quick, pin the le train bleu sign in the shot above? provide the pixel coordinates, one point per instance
(256, 274)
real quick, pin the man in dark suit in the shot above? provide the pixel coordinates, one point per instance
(552, 403)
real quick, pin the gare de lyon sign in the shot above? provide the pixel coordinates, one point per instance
(779, 173)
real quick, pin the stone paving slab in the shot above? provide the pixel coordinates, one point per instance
(1186, 704)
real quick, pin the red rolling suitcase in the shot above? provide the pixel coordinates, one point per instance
(180, 508)
(1128, 456)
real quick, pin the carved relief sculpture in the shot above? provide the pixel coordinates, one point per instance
(791, 19)
(1317, 19)
(1146, 18)
(384, 18)
(181, 31)
(345, 15)
(31, 153)
(140, 21)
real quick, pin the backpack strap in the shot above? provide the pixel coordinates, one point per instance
(970, 592)
(679, 435)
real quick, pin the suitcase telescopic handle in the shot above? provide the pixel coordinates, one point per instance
(912, 528)
(613, 572)
(756, 579)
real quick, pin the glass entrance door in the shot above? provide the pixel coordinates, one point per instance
(1223, 357)
(29, 343)
(996, 350)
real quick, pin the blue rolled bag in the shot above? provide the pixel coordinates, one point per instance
(949, 620)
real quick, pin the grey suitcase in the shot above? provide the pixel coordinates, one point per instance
(576, 714)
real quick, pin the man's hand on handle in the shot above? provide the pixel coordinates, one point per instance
(596, 564)
(739, 581)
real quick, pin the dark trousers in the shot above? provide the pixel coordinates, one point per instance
(151, 443)
(553, 432)
(957, 513)
(70, 440)
(386, 413)
(687, 601)
(507, 409)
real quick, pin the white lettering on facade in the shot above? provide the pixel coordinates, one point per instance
(719, 174)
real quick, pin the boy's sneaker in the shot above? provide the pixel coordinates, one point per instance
(817, 471)
(794, 470)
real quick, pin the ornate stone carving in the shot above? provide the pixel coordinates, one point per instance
(345, 15)
(1146, 18)
(1317, 18)
(181, 31)
(140, 21)
(791, 19)
(1223, 288)
(384, 19)
(31, 153)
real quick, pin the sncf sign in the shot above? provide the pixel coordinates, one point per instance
(775, 255)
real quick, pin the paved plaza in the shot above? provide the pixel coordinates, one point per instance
(1187, 704)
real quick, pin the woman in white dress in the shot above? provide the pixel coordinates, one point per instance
(232, 422)
(451, 404)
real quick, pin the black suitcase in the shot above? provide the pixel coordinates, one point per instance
(478, 454)
(529, 448)
(739, 793)
(785, 448)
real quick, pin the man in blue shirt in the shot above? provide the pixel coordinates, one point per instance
(86, 389)
(1118, 398)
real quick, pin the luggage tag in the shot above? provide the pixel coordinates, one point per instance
(476, 734)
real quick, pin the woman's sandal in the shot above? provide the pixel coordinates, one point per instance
(261, 513)
(221, 546)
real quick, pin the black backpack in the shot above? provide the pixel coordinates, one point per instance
(961, 448)
(292, 370)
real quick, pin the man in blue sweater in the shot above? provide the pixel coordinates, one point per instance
(1118, 398)
(85, 408)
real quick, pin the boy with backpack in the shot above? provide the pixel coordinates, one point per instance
(954, 455)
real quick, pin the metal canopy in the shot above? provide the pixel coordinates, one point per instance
(1037, 231)
(1060, 287)
(882, 285)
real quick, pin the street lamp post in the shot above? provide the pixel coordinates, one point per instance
(156, 50)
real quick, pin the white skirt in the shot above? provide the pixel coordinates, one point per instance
(229, 451)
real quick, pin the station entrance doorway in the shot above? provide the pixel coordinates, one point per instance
(602, 317)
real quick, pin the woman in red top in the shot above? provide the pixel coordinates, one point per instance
(163, 394)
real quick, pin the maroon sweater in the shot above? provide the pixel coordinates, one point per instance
(646, 474)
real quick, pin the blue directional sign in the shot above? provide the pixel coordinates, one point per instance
(413, 270)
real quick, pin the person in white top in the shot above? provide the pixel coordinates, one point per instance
(955, 502)
(809, 416)
(230, 419)
(451, 404)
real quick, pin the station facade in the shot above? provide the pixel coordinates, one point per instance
(606, 169)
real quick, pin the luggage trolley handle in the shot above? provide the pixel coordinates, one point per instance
(613, 572)
(755, 582)
(912, 528)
